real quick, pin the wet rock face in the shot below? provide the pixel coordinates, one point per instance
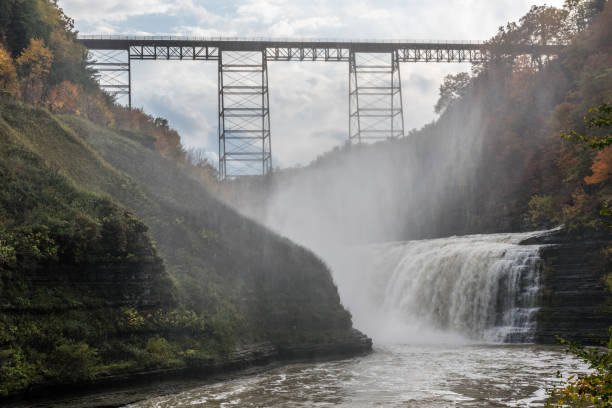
(129, 284)
(340, 343)
(336, 343)
(575, 301)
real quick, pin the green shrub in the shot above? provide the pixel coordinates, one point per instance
(543, 211)
(159, 350)
(72, 362)
(16, 373)
(593, 389)
(608, 281)
(130, 319)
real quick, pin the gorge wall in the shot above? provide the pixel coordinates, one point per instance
(575, 299)
(139, 270)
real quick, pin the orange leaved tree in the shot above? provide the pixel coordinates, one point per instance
(34, 65)
(9, 87)
(63, 98)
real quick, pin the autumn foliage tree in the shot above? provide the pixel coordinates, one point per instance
(602, 167)
(63, 98)
(542, 25)
(34, 65)
(95, 107)
(9, 86)
(166, 140)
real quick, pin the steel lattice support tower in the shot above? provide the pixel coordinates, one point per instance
(375, 96)
(113, 72)
(244, 114)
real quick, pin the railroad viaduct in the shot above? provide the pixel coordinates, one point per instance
(375, 92)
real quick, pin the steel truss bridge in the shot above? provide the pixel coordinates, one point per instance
(375, 92)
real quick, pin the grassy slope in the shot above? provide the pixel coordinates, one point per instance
(71, 264)
(243, 282)
(216, 254)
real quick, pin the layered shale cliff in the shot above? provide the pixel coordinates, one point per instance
(575, 300)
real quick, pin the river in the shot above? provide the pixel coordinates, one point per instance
(395, 376)
(451, 320)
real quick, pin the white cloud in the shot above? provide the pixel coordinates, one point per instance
(309, 104)
(197, 31)
(197, 11)
(266, 11)
(103, 16)
(113, 10)
(183, 92)
(302, 27)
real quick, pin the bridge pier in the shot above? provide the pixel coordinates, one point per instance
(375, 96)
(244, 114)
(114, 71)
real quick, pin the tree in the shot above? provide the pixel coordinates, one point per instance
(63, 98)
(9, 86)
(542, 211)
(95, 108)
(593, 389)
(598, 138)
(34, 65)
(453, 88)
(542, 25)
(601, 168)
(69, 61)
(581, 13)
(601, 117)
(201, 163)
(18, 23)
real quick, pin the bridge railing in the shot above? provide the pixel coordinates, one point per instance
(271, 39)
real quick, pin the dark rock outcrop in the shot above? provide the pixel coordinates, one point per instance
(343, 344)
(575, 300)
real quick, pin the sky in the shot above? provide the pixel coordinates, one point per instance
(308, 100)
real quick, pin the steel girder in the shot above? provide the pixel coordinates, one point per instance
(440, 55)
(244, 114)
(375, 97)
(156, 52)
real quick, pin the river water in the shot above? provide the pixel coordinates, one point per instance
(451, 320)
(395, 376)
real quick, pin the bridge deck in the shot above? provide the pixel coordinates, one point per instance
(202, 48)
(257, 44)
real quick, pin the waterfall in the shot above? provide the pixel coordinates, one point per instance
(483, 287)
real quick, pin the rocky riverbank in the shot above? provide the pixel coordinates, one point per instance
(119, 390)
(575, 296)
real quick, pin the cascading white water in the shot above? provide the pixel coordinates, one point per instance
(483, 287)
